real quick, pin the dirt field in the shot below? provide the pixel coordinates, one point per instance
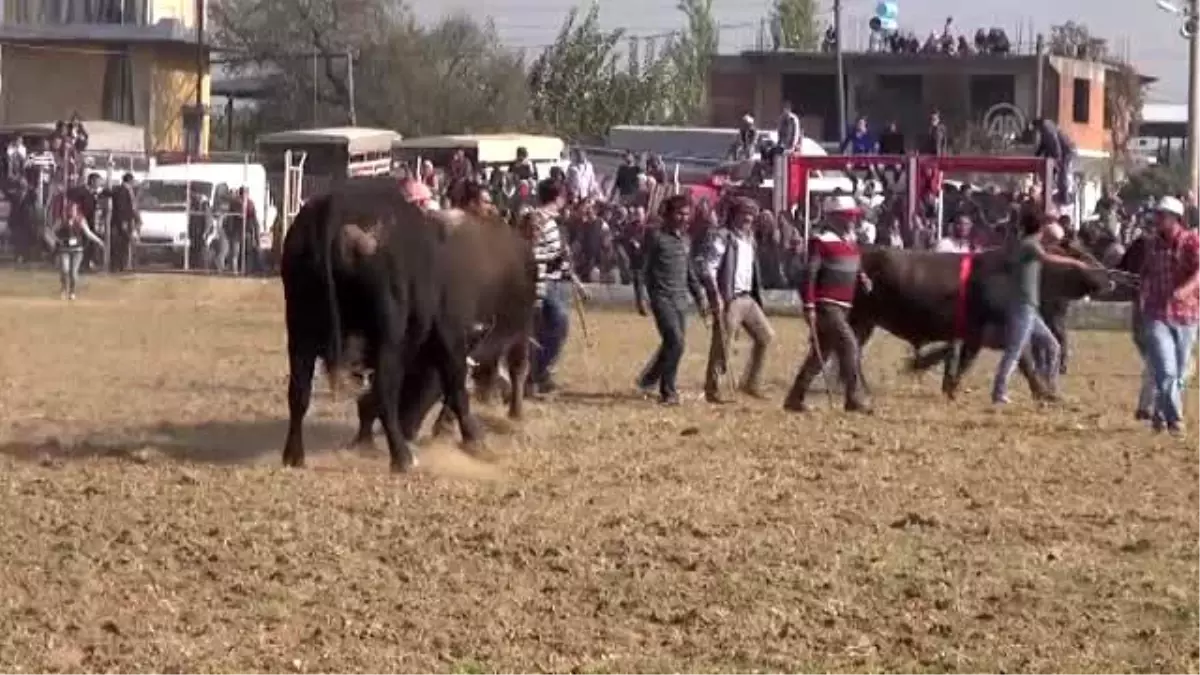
(147, 524)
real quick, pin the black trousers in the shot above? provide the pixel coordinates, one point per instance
(671, 320)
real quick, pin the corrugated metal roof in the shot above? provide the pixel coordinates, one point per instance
(357, 139)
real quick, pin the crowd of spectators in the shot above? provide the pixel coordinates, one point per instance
(52, 160)
(948, 41)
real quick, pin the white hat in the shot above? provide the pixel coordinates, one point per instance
(748, 119)
(842, 204)
(1170, 205)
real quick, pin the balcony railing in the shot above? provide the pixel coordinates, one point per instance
(68, 12)
(128, 20)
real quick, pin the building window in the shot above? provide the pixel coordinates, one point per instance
(1081, 99)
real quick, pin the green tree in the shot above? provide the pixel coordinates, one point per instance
(452, 76)
(1124, 94)
(797, 24)
(1154, 182)
(691, 57)
(578, 88)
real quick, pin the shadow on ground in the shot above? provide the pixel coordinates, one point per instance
(218, 442)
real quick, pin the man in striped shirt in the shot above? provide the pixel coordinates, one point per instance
(553, 260)
(833, 275)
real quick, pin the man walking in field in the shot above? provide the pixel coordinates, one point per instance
(1170, 309)
(669, 276)
(828, 288)
(732, 281)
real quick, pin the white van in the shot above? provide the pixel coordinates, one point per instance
(162, 201)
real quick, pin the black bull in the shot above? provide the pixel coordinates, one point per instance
(361, 262)
(501, 296)
(918, 297)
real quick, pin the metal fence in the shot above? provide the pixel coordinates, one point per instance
(200, 232)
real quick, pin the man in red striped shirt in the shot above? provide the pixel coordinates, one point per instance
(833, 275)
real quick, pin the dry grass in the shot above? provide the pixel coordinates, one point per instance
(147, 526)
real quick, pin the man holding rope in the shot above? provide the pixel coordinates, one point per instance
(833, 275)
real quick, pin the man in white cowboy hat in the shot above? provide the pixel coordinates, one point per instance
(832, 277)
(1170, 308)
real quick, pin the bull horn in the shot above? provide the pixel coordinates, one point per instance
(362, 241)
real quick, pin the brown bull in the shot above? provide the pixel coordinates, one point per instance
(925, 297)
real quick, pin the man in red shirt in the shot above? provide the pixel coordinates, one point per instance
(1170, 308)
(830, 281)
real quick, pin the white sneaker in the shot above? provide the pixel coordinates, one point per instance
(71, 296)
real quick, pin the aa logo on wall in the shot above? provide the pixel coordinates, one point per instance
(1004, 123)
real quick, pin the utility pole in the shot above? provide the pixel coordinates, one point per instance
(1190, 30)
(839, 50)
(1192, 33)
(350, 88)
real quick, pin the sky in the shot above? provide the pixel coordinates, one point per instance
(1135, 27)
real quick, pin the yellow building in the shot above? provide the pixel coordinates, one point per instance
(128, 61)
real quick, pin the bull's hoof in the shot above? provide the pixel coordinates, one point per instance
(362, 442)
(796, 406)
(474, 448)
(293, 461)
(404, 464)
(859, 407)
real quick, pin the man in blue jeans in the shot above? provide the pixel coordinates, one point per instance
(1024, 323)
(1170, 309)
(553, 261)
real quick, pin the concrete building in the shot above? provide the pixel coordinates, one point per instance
(128, 61)
(982, 94)
(1162, 135)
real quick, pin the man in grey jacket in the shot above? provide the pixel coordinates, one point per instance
(669, 276)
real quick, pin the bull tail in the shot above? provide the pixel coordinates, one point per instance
(327, 215)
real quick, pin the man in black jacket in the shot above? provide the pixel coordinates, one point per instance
(670, 277)
(891, 141)
(934, 141)
(124, 223)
